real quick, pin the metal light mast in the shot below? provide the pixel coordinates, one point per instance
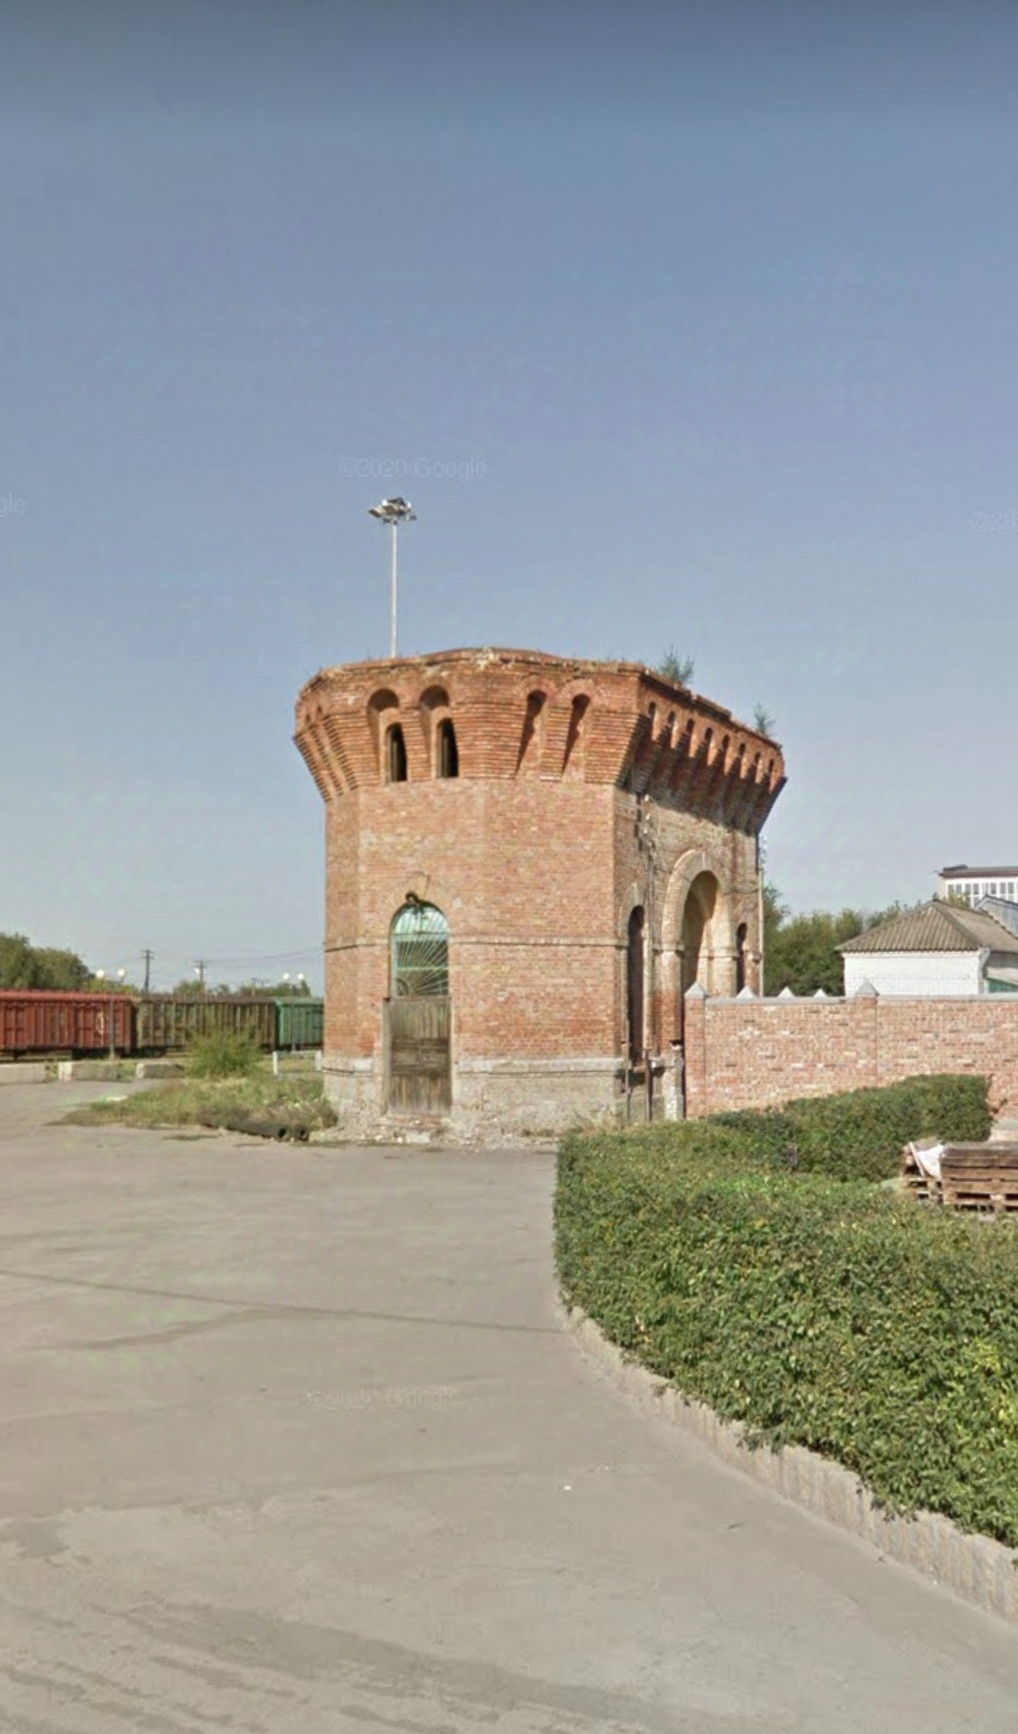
(394, 513)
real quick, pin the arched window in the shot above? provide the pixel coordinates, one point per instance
(447, 750)
(420, 952)
(634, 984)
(395, 755)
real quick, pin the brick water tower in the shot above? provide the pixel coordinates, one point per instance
(530, 860)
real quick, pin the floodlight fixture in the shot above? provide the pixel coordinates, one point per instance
(393, 513)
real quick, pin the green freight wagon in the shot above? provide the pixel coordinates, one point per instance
(300, 1023)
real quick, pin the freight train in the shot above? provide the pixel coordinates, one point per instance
(80, 1025)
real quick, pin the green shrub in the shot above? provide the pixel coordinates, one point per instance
(860, 1134)
(813, 1306)
(223, 1054)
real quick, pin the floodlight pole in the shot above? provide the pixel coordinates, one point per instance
(393, 513)
(393, 650)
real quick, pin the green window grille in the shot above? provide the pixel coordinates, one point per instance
(420, 952)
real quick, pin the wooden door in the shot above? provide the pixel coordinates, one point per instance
(418, 1055)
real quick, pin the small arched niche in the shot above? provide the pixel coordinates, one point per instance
(572, 760)
(440, 732)
(529, 756)
(383, 716)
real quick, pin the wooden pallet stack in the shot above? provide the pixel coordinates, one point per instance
(982, 1178)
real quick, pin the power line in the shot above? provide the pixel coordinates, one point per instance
(180, 958)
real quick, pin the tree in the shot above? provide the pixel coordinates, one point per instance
(17, 965)
(763, 721)
(289, 988)
(62, 971)
(24, 965)
(676, 668)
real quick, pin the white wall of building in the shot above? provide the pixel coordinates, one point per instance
(973, 888)
(916, 973)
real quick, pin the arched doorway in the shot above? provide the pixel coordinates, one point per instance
(418, 1021)
(698, 938)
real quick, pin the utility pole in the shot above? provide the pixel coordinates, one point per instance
(147, 955)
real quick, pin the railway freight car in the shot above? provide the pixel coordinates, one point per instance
(165, 1023)
(37, 1022)
(300, 1023)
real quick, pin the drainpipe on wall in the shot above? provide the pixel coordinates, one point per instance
(761, 856)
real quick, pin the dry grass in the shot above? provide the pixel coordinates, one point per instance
(297, 1096)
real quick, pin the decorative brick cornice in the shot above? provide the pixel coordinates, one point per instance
(600, 722)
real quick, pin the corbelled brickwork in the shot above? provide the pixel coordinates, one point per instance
(746, 1054)
(582, 792)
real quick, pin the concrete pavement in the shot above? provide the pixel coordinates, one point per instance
(293, 1441)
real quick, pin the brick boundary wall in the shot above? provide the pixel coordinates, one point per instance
(759, 1053)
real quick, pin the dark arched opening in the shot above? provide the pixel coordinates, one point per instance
(574, 739)
(395, 755)
(698, 934)
(448, 752)
(741, 934)
(634, 983)
(530, 743)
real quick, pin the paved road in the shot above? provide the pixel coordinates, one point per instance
(293, 1444)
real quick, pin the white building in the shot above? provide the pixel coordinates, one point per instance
(973, 883)
(936, 950)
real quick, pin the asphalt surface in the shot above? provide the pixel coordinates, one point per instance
(293, 1441)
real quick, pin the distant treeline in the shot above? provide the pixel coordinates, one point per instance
(24, 965)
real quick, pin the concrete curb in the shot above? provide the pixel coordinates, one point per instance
(974, 1567)
(25, 1072)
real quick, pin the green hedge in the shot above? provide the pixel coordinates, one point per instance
(860, 1134)
(816, 1308)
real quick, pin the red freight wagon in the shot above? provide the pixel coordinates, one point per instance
(64, 1023)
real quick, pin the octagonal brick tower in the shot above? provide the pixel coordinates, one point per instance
(530, 860)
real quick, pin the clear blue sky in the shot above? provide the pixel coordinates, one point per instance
(710, 310)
